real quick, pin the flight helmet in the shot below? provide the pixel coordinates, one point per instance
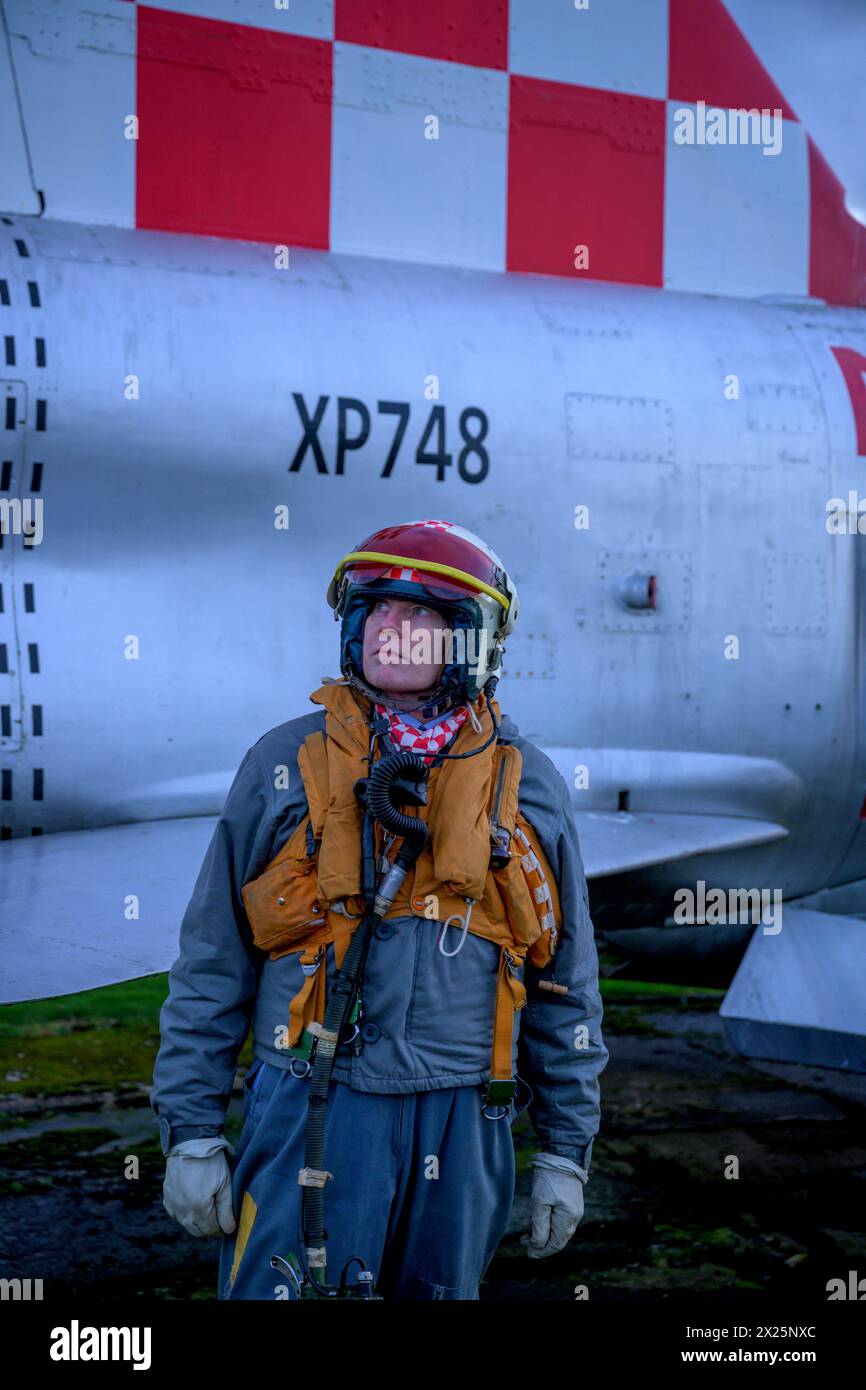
(447, 568)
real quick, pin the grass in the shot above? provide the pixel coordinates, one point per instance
(99, 1039)
(634, 991)
(135, 999)
(108, 1038)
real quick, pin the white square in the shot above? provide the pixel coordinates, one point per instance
(19, 195)
(736, 219)
(397, 193)
(617, 45)
(75, 65)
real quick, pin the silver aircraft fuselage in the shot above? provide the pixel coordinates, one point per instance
(207, 434)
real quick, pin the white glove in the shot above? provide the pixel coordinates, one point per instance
(556, 1204)
(197, 1190)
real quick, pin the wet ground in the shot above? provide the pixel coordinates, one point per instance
(661, 1217)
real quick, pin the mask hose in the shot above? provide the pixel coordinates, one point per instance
(396, 776)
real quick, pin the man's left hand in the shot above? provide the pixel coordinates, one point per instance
(557, 1204)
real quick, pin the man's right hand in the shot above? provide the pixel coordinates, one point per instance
(197, 1190)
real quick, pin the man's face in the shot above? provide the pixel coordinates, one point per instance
(404, 645)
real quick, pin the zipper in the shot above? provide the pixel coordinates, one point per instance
(497, 797)
(500, 839)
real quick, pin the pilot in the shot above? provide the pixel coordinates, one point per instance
(479, 996)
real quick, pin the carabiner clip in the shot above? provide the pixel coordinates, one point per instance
(512, 964)
(455, 920)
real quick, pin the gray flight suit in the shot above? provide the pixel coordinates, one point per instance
(432, 1033)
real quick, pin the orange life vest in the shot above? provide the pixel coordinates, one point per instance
(309, 895)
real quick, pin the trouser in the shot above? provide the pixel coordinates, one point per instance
(422, 1189)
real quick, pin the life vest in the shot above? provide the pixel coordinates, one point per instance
(483, 866)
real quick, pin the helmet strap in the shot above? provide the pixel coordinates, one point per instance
(437, 700)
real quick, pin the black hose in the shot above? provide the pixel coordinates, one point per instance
(385, 773)
(376, 790)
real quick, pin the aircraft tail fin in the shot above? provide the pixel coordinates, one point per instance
(635, 141)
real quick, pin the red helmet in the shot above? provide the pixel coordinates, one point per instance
(440, 563)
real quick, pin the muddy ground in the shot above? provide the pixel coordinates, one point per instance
(661, 1219)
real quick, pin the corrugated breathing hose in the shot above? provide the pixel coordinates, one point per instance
(404, 775)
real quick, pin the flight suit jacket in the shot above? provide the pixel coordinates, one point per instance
(435, 1014)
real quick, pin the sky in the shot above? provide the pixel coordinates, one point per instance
(815, 50)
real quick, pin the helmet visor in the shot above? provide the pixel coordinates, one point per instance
(436, 585)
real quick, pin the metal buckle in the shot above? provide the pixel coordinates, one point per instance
(314, 965)
(502, 1108)
(340, 907)
(305, 1050)
(499, 1096)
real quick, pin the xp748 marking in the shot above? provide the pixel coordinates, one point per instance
(471, 469)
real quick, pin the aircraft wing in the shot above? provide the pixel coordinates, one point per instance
(616, 842)
(64, 899)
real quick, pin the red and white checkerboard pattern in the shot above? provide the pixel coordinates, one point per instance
(408, 575)
(313, 126)
(425, 742)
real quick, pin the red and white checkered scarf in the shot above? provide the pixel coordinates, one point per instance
(425, 742)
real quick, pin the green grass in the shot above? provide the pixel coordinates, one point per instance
(102, 1038)
(108, 1038)
(135, 999)
(635, 990)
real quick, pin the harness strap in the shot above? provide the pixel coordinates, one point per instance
(309, 1002)
(510, 997)
(308, 1005)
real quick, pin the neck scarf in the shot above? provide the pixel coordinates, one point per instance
(426, 742)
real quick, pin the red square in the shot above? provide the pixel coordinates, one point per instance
(585, 167)
(476, 33)
(234, 130)
(837, 243)
(711, 60)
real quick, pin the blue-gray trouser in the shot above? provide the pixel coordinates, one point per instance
(422, 1187)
